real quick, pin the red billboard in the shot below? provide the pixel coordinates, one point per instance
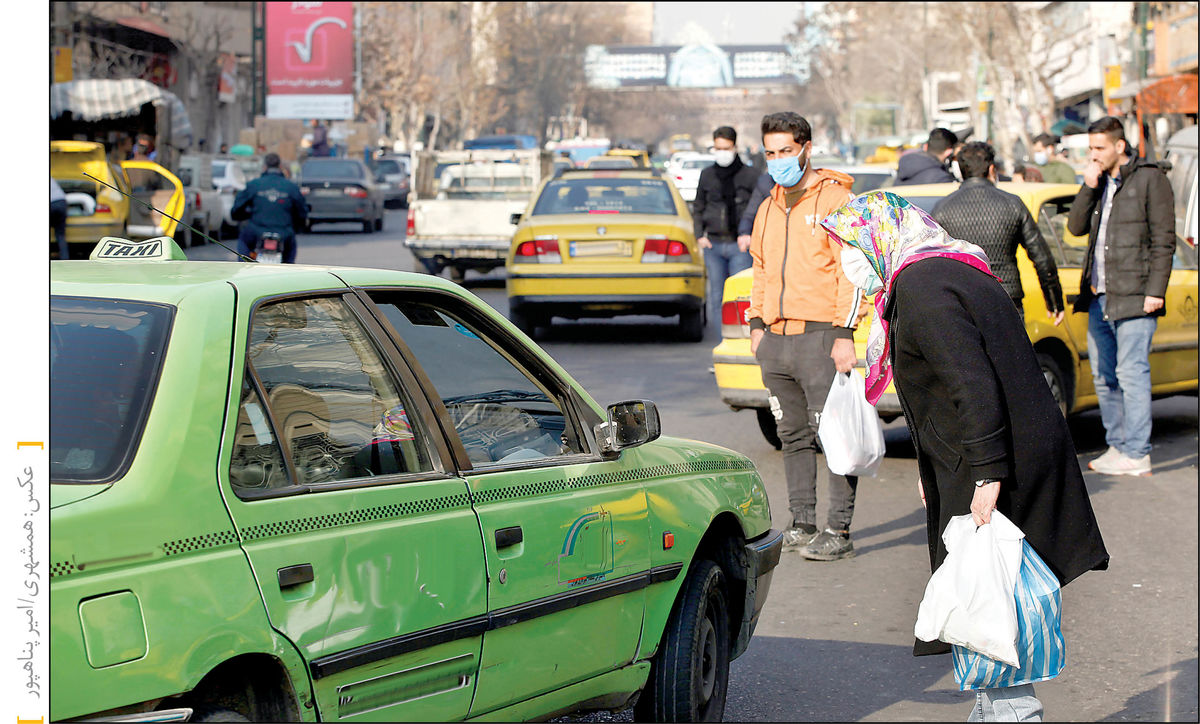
(310, 60)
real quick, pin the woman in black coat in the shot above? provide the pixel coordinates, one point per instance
(986, 428)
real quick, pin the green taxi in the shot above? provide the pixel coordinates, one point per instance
(1062, 350)
(285, 493)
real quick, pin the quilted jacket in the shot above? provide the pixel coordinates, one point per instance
(998, 221)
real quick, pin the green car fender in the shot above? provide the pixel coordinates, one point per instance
(705, 501)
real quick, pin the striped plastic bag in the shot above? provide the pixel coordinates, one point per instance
(1041, 650)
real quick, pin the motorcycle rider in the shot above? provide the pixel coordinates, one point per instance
(270, 203)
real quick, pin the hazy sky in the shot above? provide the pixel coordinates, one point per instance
(725, 22)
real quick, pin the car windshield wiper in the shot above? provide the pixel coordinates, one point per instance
(498, 396)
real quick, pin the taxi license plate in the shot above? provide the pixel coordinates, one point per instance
(328, 192)
(601, 248)
(476, 253)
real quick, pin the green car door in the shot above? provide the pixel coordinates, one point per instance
(564, 531)
(363, 543)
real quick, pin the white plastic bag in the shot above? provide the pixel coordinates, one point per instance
(850, 432)
(969, 600)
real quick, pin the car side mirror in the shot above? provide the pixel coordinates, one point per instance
(514, 219)
(630, 423)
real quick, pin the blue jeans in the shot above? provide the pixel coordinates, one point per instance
(1014, 703)
(248, 239)
(1120, 356)
(722, 261)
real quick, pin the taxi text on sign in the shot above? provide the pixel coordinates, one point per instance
(310, 60)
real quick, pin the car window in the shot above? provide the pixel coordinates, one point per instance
(105, 357)
(218, 169)
(1068, 250)
(388, 166)
(331, 169)
(696, 163)
(605, 195)
(864, 182)
(335, 408)
(502, 413)
(609, 163)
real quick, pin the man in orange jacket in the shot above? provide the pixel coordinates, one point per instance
(803, 311)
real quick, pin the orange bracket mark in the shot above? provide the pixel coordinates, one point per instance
(41, 446)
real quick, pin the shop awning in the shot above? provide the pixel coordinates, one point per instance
(101, 99)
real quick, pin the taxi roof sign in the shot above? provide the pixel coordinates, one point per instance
(160, 248)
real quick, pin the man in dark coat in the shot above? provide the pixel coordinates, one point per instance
(999, 222)
(1128, 213)
(986, 428)
(722, 194)
(270, 203)
(928, 166)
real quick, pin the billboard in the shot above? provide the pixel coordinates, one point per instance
(692, 66)
(310, 60)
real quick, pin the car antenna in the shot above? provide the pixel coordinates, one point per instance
(172, 218)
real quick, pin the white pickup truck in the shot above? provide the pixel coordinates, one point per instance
(462, 203)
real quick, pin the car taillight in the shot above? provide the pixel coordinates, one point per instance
(733, 318)
(102, 209)
(542, 250)
(661, 249)
(304, 190)
(411, 229)
(198, 204)
(678, 178)
(355, 191)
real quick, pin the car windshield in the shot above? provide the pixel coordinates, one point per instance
(331, 169)
(605, 196)
(388, 166)
(105, 357)
(864, 182)
(614, 162)
(219, 168)
(486, 181)
(695, 163)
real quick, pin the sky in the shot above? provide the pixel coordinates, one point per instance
(726, 23)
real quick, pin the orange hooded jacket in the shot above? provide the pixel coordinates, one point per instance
(798, 274)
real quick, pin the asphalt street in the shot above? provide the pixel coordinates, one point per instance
(835, 640)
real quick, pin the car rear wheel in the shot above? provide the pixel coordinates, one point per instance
(368, 226)
(766, 423)
(689, 676)
(216, 714)
(525, 322)
(1055, 380)
(691, 325)
(379, 221)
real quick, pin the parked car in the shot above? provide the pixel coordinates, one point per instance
(1062, 350)
(204, 210)
(687, 174)
(603, 244)
(1181, 154)
(325, 493)
(609, 162)
(392, 174)
(341, 189)
(228, 179)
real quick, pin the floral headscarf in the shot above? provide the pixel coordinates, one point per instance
(892, 233)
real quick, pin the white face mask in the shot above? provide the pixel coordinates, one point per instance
(1039, 157)
(724, 158)
(858, 270)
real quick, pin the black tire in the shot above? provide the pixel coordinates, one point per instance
(766, 423)
(524, 322)
(691, 325)
(1055, 379)
(379, 221)
(216, 714)
(689, 676)
(368, 226)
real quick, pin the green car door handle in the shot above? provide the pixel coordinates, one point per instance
(295, 575)
(508, 536)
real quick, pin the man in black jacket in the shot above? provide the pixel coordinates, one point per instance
(928, 166)
(1128, 213)
(722, 194)
(998, 221)
(270, 203)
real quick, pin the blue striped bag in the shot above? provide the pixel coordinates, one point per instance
(1041, 649)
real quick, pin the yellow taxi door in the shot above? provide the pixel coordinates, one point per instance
(153, 184)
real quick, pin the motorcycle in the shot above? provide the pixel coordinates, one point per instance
(269, 248)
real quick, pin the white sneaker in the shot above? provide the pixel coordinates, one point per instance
(1123, 465)
(1109, 455)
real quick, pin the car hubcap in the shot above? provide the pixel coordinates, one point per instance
(708, 659)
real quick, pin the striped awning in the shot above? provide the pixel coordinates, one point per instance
(101, 99)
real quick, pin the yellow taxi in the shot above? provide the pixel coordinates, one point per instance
(603, 243)
(641, 159)
(1061, 350)
(95, 210)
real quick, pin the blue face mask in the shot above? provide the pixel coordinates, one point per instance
(786, 172)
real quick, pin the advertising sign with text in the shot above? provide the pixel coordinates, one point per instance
(310, 60)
